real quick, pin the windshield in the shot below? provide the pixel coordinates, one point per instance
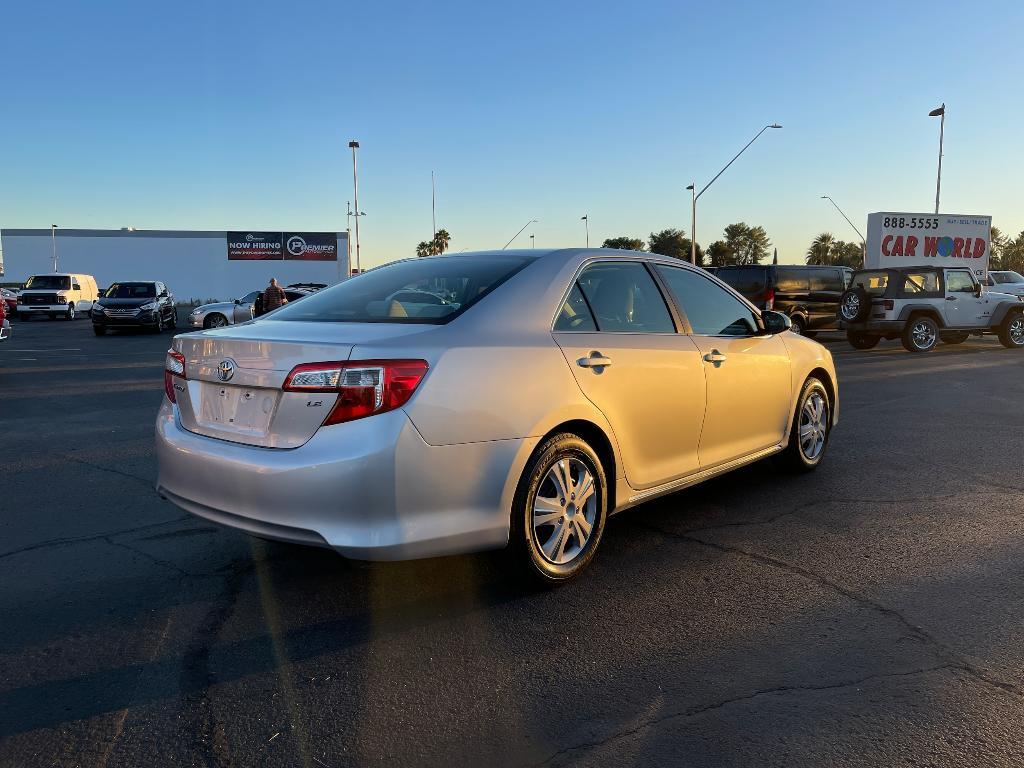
(428, 290)
(1007, 277)
(48, 283)
(131, 291)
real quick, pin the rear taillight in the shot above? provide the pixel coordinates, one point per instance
(174, 367)
(769, 298)
(364, 388)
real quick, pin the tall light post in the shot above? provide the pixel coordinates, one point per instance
(696, 195)
(863, 242)
(354, 145)
(940, 113)
(348, 219)
(533, 242)
(517, 234)
(433, 204)
(586, 225)
(53, 237)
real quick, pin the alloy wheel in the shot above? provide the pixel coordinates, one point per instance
(564, 510)
(923, 334)
(851, 306)
(813, 426)
(1017, 330)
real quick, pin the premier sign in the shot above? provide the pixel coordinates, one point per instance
(279, 246)
(928, 239)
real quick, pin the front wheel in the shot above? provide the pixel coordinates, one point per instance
(215, 320)
(174, 319)
(560, 508)
(1011, 332)
(921, 334)
(70, 314)
(808, 436)
(798, 325)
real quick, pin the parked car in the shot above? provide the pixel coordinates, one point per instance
(1006, 281)
(5, 324)
(58, 294)
(924, 305)
(555, 388)
(238, 311)
(808, 295)
(140, 304)
(10, 298)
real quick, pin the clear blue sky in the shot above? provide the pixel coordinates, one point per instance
(216, 115)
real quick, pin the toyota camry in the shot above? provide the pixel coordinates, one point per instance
(539, 393)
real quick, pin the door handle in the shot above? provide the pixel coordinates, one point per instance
(596, 360)
(951, 298)
(715, 357)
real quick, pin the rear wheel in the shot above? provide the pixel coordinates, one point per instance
(860, 340)
(955, 337)
(798, 325)
(560, 508)
(1011, 332)
(808, 437)
(215, 320)
(921, 334)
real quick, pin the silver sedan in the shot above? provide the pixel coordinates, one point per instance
(550, 390)
(222, 313)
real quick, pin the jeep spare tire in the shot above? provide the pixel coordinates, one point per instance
(854, 305)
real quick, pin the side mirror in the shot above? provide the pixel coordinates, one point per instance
(776, 322)
(238, 301)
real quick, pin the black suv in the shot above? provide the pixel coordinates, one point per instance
(808, 295)
(144, 304)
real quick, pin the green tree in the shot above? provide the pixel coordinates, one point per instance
(848, 254)
(672, 242)
(425, 249)
(749, 245)
(720, 254)
(441, 241)
(997, 247)
(1013, 254)
(624, 243)
(821, 251)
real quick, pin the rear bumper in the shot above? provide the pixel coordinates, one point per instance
(371, 489)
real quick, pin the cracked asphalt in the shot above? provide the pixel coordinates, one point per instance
(868, 614)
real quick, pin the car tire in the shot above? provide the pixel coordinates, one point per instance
(1011, 330)
(99, 330)
(174, 319)
(860, 340)
(70, 314)
(854, 305)
(920, 334)
(954, 337)
(798, 325)
(215, 320)
(810, 429)
(159, 327)
(545, 518)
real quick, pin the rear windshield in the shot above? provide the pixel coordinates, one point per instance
(131, 291)
(428, 290)
(750, 281)
(49, 283)
(1007, 277)
(872, 282)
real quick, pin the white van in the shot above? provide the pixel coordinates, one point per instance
(58, 293)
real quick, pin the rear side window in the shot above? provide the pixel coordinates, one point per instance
(711, 310)
(874, 283)
(750, 281)
(791, 279)
(431, 290)
(575, 314)
(826, 280)
(922, 283)
(624, 299)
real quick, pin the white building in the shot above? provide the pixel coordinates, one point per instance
(195, 265)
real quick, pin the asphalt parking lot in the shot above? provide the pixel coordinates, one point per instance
(867, 614)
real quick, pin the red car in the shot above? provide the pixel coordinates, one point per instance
(5, 325)
(10, 298)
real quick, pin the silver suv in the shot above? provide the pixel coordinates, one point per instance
(925, 305)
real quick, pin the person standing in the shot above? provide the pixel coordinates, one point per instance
(273, 296)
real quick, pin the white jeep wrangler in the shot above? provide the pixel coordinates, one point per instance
(925, 305)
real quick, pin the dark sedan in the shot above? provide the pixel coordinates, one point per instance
(147, 304)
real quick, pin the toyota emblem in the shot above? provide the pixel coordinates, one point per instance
(226, 369)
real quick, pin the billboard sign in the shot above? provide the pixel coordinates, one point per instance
(278, 246)
(928, 239)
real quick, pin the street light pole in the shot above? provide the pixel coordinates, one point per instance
(433, 204)
(586, 224)
(693, 232)
(940, 113)
(354, 145)
(533, 242)
(53, 236)
(517, 234)
(863, 242)
(693, 224)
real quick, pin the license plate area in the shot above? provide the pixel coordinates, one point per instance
(247, 410)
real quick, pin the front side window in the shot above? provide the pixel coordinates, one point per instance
(826, 280)
(711, 310)
(431, 290)
(575, 314)
(625, 299)
(959, 281)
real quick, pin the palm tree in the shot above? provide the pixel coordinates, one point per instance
(822, 250)
(441, 241)
(425, 249)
